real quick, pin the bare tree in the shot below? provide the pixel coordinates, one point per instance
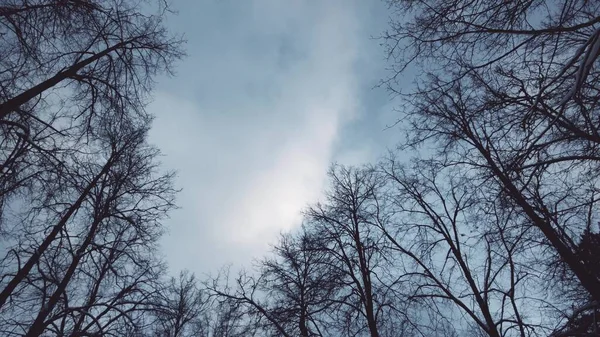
(69, 67)
(107, 50)
(58, 227)
(301, 282)
(228, 319)
(511, 96)
(180, 308)
(81, 194)
(245, 294)
(463, 252)
(345, 222)
(123, 205)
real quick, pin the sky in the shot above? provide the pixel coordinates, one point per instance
(270, 94)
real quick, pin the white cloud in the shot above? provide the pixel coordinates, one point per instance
(253, 147)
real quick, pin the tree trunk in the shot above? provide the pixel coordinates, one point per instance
(14, 103)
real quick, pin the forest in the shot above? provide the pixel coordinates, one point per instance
(482, 222)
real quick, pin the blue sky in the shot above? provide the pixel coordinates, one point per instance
(270, 94)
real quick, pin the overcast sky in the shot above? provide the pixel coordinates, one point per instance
(270, 94)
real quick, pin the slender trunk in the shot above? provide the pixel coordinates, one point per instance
(93, 295)
(366, 278)
(38, 325)
(14, 103)
(491, 328)
(370, 307)
(302, 323)
(34, 258)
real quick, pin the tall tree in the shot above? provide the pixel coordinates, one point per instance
(301, 282)
(116, 221)
(345, 222)
(71, 66)
(464, 258)
(510, 95)
(81, 193)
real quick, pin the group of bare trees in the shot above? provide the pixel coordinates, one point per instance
(510, 102)
(399, 251)
(82, 195)
(483, 223)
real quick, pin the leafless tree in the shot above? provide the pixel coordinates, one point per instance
(181, 307)
(69, 67)
(107, 51)
(252, 306)
(464, 257)
(289, 293)
(81, 194)
(345, 222)
(510, 96)
(115, 221)
(229, 319)
(300, 280)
